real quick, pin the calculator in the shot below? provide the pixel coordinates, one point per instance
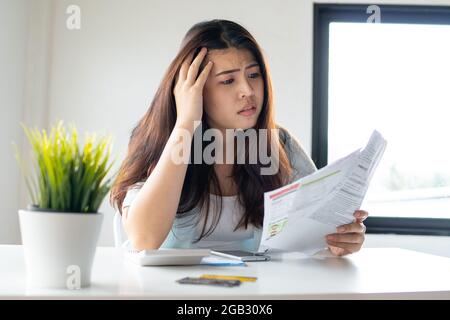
(167, 257)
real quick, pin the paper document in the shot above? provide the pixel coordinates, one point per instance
(298, 216)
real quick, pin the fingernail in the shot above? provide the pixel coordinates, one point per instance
(330, 237)
(341, 229)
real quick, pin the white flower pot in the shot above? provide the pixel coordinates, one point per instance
(59, 247)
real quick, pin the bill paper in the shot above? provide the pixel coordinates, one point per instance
(298, 216)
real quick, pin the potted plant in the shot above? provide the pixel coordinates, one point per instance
(60, 229)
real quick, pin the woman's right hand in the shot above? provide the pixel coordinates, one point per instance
(188, 89)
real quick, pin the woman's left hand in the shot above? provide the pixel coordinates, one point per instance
(349, 237)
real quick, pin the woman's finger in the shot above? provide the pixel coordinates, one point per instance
(204, 75)
(361, 215)
(351, 247)
(352, 227)
(338, 251)
(193, 69)
(185, 66)
(346, 237)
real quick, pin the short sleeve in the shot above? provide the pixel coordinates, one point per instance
(301, 163)
(131, 194)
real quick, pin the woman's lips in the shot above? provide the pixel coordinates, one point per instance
(248, 112)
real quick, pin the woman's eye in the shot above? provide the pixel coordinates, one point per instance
(229, 81)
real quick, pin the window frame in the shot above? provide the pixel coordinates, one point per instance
(324, 14)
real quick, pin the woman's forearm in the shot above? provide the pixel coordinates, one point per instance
(151, 214)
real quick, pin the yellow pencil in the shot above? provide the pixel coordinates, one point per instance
(223, 277)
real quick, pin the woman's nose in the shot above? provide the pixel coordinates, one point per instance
(246, 89)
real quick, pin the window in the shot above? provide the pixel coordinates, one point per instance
(393, 76)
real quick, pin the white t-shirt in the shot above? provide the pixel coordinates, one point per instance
(188, 227)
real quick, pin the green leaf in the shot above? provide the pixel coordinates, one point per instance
(64, 178)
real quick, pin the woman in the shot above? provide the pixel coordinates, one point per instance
(219, 80)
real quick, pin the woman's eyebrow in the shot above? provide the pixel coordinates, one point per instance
(234, 70)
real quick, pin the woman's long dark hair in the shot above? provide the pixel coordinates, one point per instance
(149, 137)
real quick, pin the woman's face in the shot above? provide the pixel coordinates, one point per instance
(234, 83)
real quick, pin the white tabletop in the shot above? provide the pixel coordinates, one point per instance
(372, 273)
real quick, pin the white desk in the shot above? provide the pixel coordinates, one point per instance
(369, 274)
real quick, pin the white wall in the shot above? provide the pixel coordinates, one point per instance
(13, 44)
(103, 76)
